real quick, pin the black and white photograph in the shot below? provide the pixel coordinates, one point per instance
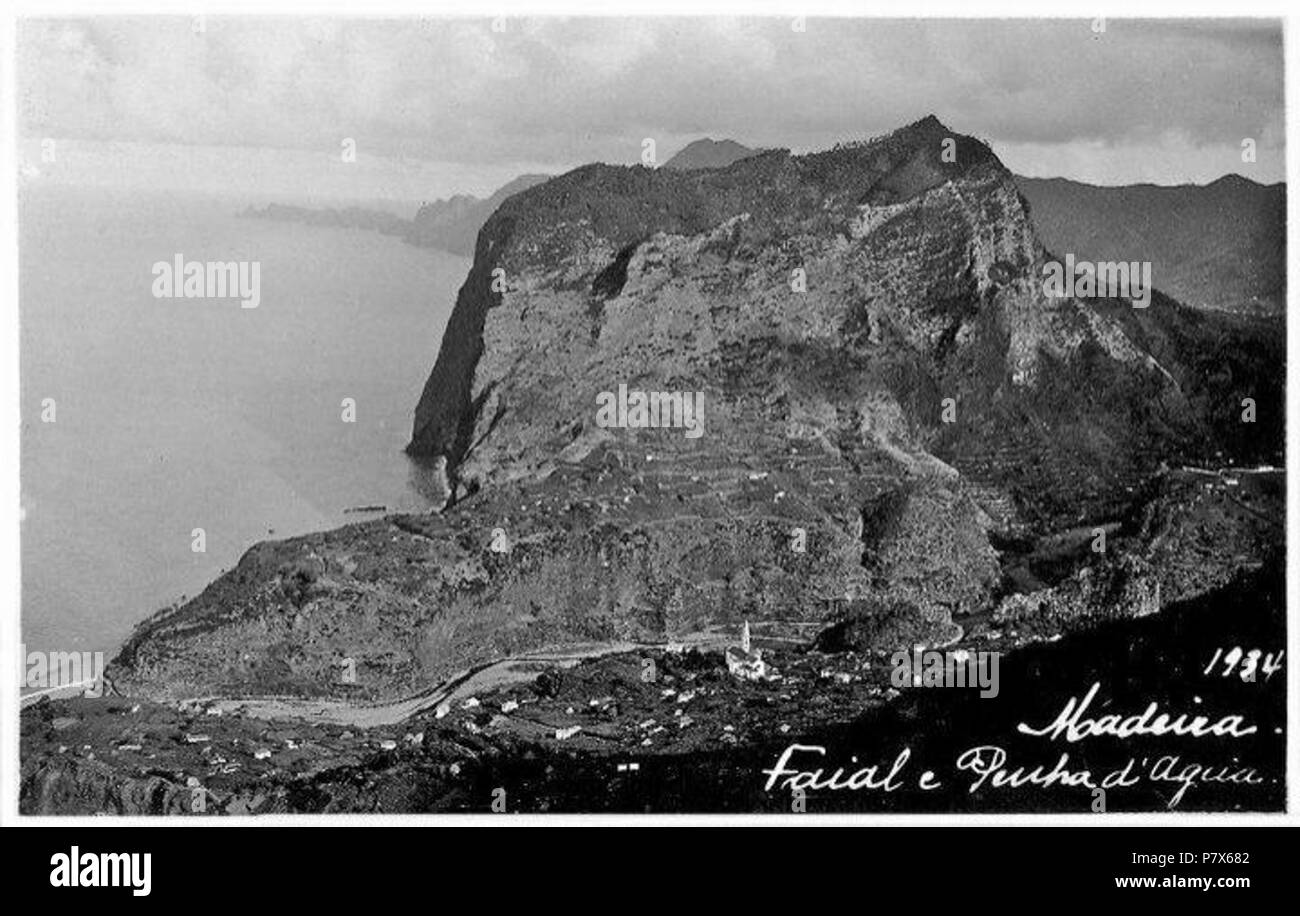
(460, 416)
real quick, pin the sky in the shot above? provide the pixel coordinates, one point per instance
(438, 106)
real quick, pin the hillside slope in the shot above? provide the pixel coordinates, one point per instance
(1219, 246)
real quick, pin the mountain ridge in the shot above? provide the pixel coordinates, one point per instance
(454, 223)
(1220, 245)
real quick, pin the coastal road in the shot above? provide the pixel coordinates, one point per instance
(516, 669)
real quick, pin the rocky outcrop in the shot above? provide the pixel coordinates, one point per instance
(884, 391)
(840, 297)
(1127, 588)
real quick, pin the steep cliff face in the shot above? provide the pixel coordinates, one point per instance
(562, 251)
(840, 297)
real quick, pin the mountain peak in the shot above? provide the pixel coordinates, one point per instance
(707, 153)
(930, 130)
(1234, 180)
(929, 122)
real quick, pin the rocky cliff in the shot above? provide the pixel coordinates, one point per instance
(836, 298)
(891, 408)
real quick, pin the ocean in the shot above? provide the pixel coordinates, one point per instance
(145, 419)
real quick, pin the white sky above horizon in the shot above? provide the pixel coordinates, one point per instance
(256, 174)
(438, 107)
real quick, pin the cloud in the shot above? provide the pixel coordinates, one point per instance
(572, 90)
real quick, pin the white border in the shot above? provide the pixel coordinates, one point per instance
(9, 554)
